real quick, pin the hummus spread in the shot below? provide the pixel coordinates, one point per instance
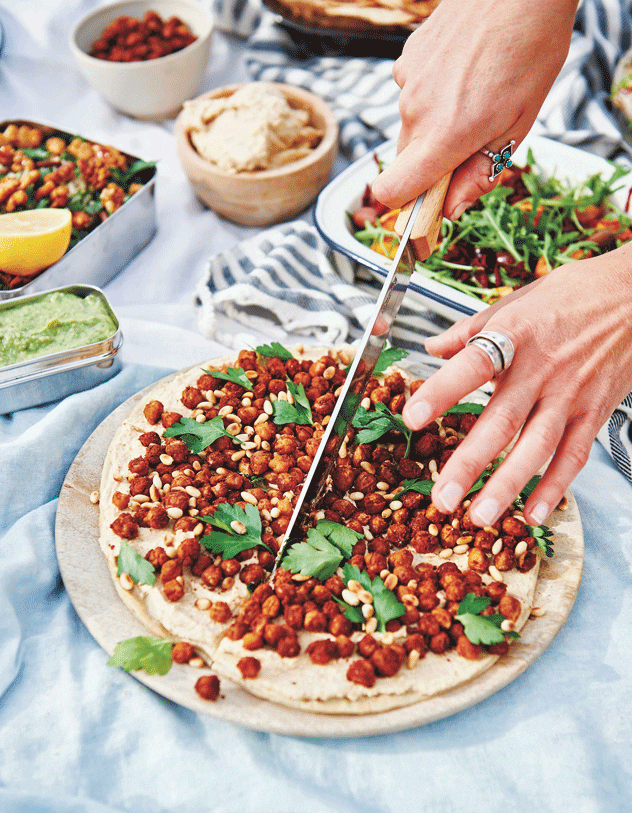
(253, 129)
(55, 322)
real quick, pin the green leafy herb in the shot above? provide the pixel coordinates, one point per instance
(543, 536)
(274, 350)
(136, 566)
(388, 356)
(153, 655)
(228, 541)
(374, 424)
(299, 412)
(416, 484)
(236, 375)
(465, 409)
(481, 629)
(198, 436)
(322, 552)
(385, 603)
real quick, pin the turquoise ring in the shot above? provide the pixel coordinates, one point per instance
(501, 159)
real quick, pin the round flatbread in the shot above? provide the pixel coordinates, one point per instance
(197, 488)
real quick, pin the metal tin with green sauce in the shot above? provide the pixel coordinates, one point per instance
(55, 343)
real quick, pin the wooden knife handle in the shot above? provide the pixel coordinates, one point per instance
(423, 238)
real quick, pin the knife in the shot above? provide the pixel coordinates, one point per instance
(418, 225)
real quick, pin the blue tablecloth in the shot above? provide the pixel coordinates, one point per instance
(78, 736)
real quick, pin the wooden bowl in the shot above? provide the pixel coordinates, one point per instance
(263, 197)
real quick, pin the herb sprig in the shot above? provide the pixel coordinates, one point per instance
(376, 423)
(481, 629)
(386, 605)
(236, 375)
(198, 436)
(299, 412)
(322, 552)
(239, 529)
(136, 566)
(146, 652)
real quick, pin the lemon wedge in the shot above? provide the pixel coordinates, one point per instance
(31, 241)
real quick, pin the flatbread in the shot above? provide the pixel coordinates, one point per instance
(293, 681)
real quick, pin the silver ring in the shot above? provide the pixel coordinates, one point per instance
(497, 346)
(501, 159)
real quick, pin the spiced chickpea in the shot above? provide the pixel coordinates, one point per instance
(362, 673)
(207, 687)
(249, 667)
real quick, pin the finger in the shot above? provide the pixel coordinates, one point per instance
(503, 417)
(469, 181)
(461, 375)
(569, 459)
(540, 435)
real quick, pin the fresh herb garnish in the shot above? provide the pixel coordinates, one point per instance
(240, 530)
(198, 436)
(416, 484)
(299, 412)
(388, 356)
(374, 424)
(543, 536)
(136, 566)
(236, 375)
(274, 350)
(481, 629)
(153, 655)
(466, 408)
(322, 552)
(386, 605)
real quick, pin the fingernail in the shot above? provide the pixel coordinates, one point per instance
(484, 512)
(459, 209)
(540, 512)
(417, 414)
(450, 495)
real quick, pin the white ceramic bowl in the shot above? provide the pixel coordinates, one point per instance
(153, 89)
(268, 196)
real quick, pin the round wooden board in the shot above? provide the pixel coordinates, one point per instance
(109, 621)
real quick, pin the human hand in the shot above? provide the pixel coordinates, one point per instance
(474, 74)
(572, 335)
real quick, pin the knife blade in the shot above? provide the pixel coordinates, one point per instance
(418, 224)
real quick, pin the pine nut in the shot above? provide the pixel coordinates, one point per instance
(460, 549)
(356, 495)
(94, 498)
(233, 428)
(196, 663)
(496, 575)
(445, 553)
(491, 530)
(261, 418)
(238, 527)
(166, 459)
(154, 493)
(382, 486)
(246, 402)
(391, 581)
(368, 466)
(140, 498)
(368, 611)
(413, 658)
(248, 497)
(251, 374)
(225, 410)
(192, 491)
(236, 456)
(267, 407)
(197, 531)
(433, 530)
(126, 581)
(371, 625)
(386, 513)
(365, 597)
(203, 604)
(354, 586)
(274, 513)
(395, 505)
(521, 547)
(350, 597)
(497, 546)
(282, 396)
(175, 513)
(432, 465)
(507, 625)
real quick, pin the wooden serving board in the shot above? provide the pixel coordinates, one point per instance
(109, 621)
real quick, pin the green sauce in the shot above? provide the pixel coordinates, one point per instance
(56, 322)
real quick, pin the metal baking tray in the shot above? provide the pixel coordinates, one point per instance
(56, 375)
(99, 256)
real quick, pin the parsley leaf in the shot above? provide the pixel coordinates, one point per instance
(385, 603)
(229, 542)
(416, 484)
(299, 412)
(323, 550)
(481, 629)
(374, 424)
(388, 356)
(274, 350)
(542, 535)
(237, 375)
(315, 557)
(198, 436)
(136, 566)
(469, 408)
(143, 652)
